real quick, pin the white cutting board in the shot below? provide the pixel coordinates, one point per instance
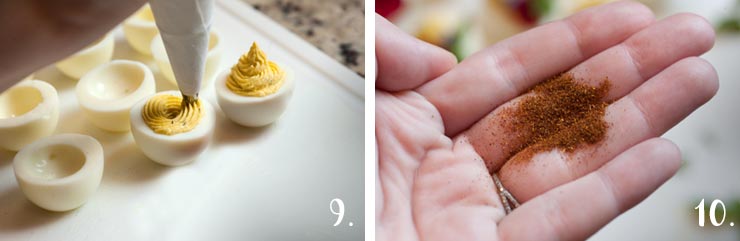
(271, 183)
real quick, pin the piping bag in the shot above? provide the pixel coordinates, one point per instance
(185, 26)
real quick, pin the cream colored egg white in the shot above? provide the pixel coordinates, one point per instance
(28, 111)
(61, 172)
(213, 59)
(139, 31)
(107, 93)
(173, 150)
(254, 111)
(99, 52)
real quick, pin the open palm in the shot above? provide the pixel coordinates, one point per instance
(438, 139)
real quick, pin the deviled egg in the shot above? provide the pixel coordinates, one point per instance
(60, 172)
(28, 111)
(171, 131)
(256, 91)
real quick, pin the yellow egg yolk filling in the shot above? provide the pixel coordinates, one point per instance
(168, 115)
(254, 75)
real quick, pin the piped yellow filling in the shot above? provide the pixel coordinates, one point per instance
(254, 75)
(168, 115)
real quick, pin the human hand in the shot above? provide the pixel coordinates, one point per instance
(38, 33)
(435, 121)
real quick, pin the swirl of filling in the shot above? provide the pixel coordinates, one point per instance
(168, 115)
(254, 75)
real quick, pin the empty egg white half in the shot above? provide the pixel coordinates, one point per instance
(60, 172)
(28, 111)
(173, 150)
(140, 29)
(99, 52)
(213, 59)
(254, 111)
(107, 93)
(29, 77)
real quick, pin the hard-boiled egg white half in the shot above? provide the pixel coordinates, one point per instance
(173, 150)
(28, 111)
(60, 172)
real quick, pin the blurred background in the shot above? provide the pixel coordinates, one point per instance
(709, 139)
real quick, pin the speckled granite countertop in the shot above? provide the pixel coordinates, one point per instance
(337, 27)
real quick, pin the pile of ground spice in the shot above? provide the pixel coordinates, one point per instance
(557, 113)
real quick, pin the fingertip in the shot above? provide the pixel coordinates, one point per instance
(706, 76)
(637, 12)
(696, 27)
(404, 62)
(445, 60)
(632, 16)
(701, 77)
(636, 173)
(665, 151)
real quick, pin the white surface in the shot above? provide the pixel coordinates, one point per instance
(271, 183)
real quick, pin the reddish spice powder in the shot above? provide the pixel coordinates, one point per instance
(557, 113)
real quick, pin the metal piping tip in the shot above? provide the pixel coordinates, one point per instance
(189, 100)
